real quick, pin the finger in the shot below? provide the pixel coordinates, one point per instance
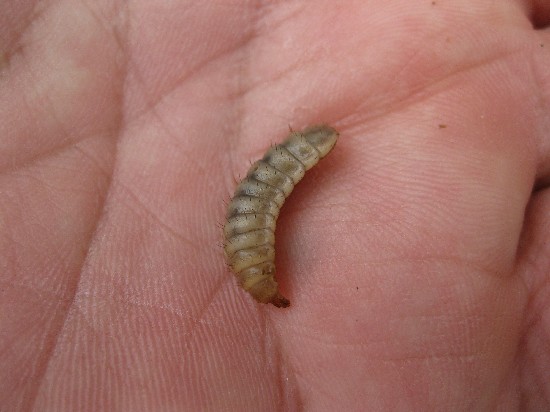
(541, 63)
(538, 12)
(541, 74)
(533, 263)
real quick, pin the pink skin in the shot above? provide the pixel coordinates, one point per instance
(416, 255)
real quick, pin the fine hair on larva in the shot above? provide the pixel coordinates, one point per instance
(252, 213)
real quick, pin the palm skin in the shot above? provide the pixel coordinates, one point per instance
(415, 256)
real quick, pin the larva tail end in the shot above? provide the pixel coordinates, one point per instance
(280, 301)
(266, 290)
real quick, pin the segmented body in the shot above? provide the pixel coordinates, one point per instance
(252, 212)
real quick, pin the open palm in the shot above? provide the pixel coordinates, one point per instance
(416, 255)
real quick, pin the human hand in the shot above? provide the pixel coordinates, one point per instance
(415, 256)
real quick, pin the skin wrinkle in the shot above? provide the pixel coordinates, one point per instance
(271, 350)
(16, 46)
(534, 209)
(50, 294)
(281, 385)
(456, 260)
(49, 350)
(283, 74)
(209, 299)
(235, 127)
(532, 391)
(101, 22)
(15, 165)
(60, 324)
(135, 201)
(421, 93)
(265, 26)
(6, 60)
(44, 183)
(98, 165)
(194, 320)
(527, 381)
(445, 358)
(533, 301)
(178, 143)
(319, 388)
(543, 177)
(66, 142)
(153, 103)
(60, 127)
(373, 344)
(16, 258)
(240, 95)
(54, 151)
(48, 354)
(419, 56)
(198, 165)
(182, 315)
(530, 323)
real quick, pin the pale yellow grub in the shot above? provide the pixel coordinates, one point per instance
(252, 213)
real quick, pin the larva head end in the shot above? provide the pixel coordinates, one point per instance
(322, 137)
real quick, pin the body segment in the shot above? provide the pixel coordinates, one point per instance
(252, 213)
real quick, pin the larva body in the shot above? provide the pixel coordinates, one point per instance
(252, 212)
